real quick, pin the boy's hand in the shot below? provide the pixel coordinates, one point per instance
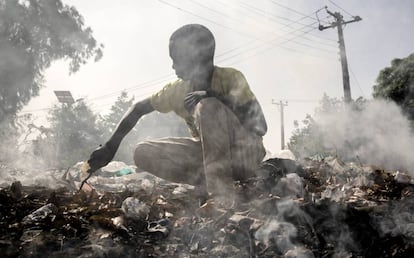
(100, 158)
(192, 99)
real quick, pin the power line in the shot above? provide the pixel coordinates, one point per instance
(274, 40)
(292, 10)
(147, 84)
(201, 17)
(266, 49)
(356, 80)
(228, 17)
(345, 11)
(305, 25)
(135, 96)
(249, 8)
(34, 110)
(289, 40)
(302, 100)
(252, 41)
(291, 22)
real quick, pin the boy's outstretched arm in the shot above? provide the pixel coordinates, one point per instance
(103, 155)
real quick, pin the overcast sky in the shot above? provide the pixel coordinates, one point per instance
(275, 43)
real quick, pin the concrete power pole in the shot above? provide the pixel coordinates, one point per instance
(339, 22)
(282, 123)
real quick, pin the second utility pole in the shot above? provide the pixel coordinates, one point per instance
(282, 123)
(339, 22)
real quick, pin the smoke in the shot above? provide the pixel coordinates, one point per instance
(397, 220)
(281, 232)
(379, 134)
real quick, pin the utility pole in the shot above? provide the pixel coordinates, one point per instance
(282, 125)
(339, 22)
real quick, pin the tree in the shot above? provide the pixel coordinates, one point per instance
(108, 123)
(117, 111)
(73, 134)
(13, 140)
(33, 34)
(310, 139)
(330, 131)
(396, 83)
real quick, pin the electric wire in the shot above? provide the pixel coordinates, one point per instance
(278, 17)
(291, 9)
(303, 14)
(356, 80)
(289, 40)
(282, 40)
(251, 42)
(260, 12)
(267, 49)
(292, 22)
(203, 18)
(345, 11)
(139, 86)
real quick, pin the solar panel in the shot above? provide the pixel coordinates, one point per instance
(64, 96)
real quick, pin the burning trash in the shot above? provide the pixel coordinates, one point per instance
(320, 208)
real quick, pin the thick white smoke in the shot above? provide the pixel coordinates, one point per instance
(379, 135)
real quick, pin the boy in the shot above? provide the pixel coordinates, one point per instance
(224, 118)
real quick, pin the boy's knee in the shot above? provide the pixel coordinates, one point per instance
(141, 154)
(208, 105)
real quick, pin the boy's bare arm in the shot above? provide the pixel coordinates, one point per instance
(103, 155)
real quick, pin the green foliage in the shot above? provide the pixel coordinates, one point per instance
(34, 33)
(117, 111)
(10, 131)
(322, 135)
(72, 136)
(108, 123)
(309, 140)
(396, 83)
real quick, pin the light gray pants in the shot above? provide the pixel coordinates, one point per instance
(225, 152)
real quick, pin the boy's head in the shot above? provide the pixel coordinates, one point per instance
(191, 47)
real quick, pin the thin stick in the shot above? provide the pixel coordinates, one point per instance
(84, 180)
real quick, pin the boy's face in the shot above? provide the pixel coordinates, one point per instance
(185, 63)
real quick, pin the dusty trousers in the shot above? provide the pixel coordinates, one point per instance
(225, 152)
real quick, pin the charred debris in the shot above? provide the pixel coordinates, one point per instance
(319, 208)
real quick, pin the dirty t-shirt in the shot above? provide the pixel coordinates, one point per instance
(227, 83)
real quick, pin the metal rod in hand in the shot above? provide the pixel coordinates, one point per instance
(86, 179)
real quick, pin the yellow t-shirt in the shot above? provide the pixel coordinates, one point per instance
(226, 82)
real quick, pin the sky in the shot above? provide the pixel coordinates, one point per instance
(276, 44)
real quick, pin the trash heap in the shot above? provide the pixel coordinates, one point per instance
(319, 208)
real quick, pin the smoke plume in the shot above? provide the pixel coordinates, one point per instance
(379, 134)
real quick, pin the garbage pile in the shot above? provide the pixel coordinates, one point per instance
(319, 208)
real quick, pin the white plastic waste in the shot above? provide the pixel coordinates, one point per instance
(134, 208)
(40, 214)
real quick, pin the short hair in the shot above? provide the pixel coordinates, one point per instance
(197, 39)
